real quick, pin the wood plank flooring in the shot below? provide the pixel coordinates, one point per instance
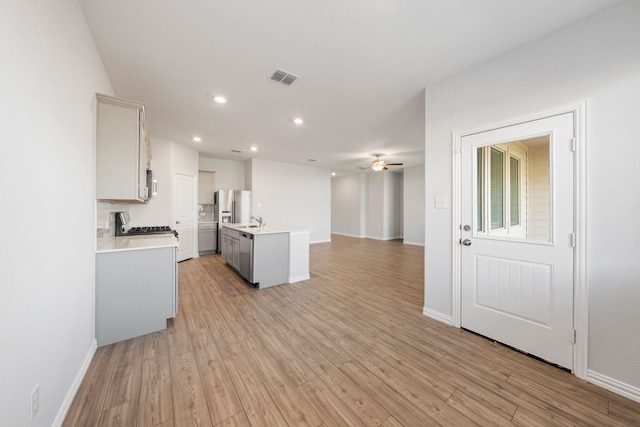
(349, 347)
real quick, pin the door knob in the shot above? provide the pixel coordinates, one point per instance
(466, 242)
(177, 222)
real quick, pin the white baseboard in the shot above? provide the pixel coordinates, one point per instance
(68, 400)
(406, 242)
(320, 241)
(295, 279)
(613, 385)
(347, 235)
(437, 316)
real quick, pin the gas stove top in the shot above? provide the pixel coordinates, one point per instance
(154, 229)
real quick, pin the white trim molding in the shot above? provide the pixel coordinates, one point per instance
(348, 235)
(613, 385)
(437, 316)
(407, 242)
(581, 296)
(71, 394)
(320, 241)
(294, 279)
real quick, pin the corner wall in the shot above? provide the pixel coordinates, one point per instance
(347, 205)
(413, 205)
(50, 73)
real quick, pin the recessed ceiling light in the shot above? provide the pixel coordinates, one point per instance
(197, 139)
(298, 121)
(254, 148)
(220, 99)
(333, 174)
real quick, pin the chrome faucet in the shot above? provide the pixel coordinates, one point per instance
(257, 218)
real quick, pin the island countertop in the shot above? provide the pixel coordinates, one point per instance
(130, 243)
(265, 229)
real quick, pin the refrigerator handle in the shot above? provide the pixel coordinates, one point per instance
(233, 211)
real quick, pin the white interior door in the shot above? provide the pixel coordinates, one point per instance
(517, 238)
(184, 211)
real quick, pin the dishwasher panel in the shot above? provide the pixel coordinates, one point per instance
(246, 256)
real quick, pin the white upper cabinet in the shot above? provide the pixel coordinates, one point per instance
(205, 188)
(123, 150)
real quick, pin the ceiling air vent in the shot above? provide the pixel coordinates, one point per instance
(236, 151)
(284, 77)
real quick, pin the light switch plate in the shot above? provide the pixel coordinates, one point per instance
(441, 202)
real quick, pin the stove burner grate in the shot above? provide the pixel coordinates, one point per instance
(155, 229)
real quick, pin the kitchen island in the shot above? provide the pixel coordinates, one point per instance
(267, 255)
(136, 286)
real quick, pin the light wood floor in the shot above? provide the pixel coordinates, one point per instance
(348, 347)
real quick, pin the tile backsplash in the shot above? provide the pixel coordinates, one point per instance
(106, 221)
(205, 213)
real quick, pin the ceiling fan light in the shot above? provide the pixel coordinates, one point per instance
(378, 165)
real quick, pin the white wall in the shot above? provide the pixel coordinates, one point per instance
(383, 204)
(369, 205)
(294, 195)
(596, 59)
(392, 206)
(347, 205)
(229, 174)
(413, 205)
(374, 206)
(48, 79)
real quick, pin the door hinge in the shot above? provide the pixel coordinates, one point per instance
(573, 145)
(572, 336)
(573, 240)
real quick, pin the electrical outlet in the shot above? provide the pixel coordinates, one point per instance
(35, 401)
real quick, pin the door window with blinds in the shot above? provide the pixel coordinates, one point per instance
(513, 196)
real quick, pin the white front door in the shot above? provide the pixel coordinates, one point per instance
(517, 236)
(184, 211)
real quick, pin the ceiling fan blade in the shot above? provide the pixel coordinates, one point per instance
(393, 164)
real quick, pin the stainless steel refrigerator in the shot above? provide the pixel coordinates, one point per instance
(231, 206)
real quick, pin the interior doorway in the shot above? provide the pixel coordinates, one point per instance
(184, 212)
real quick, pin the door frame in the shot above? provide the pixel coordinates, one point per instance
(194, 208)
(580, 285)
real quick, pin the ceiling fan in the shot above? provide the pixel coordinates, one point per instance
(380, 165)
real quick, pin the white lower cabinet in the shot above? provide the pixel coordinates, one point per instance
(136, 292)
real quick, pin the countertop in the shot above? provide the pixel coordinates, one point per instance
(266, 229)
(131, 243)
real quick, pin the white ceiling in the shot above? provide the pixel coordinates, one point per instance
(363, 67)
